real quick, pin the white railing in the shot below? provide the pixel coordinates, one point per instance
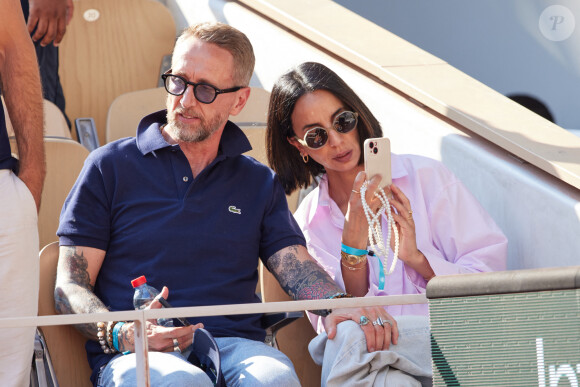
(140, 316)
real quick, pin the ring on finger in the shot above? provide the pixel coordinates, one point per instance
(363, 321)
(176, 346)
(378, 321)
(388, 322)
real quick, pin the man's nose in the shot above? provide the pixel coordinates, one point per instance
(188, 97)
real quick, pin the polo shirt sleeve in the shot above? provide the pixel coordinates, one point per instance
(279, 228)
(85, 216)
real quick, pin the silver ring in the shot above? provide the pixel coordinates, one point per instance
(176, 346)
(388, 322)
(378, 321)
(363, 321)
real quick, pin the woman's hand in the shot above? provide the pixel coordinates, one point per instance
(355, 231)
(378, 337)
(408, 251)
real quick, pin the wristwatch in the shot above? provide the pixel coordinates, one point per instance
(351, 259)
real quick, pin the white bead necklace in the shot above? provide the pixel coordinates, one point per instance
(375, 230)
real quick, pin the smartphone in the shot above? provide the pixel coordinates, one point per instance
(377, 155)
(182, 320)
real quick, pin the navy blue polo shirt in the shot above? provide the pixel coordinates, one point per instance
(136, 198)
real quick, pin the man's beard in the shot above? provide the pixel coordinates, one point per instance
(192, 133)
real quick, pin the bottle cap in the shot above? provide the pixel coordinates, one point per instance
(139, 281)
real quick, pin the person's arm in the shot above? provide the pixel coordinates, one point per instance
(408, 251)
(20, 84)
(76, 274)
(301, 277)
(50, 19)
(355, 235)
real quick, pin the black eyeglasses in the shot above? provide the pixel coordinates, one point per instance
(203, 92)
(317, 137)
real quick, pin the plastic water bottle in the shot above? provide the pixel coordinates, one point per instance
(143, 296)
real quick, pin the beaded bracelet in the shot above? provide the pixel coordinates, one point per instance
(116, 330)
(326, 312)
(101, 336)
(339, 295)
(109, 336)
(353, 251)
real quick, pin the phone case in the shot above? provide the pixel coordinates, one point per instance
(377, 155)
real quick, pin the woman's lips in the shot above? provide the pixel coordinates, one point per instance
(343, 157)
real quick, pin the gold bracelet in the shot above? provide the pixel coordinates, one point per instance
(351, 268)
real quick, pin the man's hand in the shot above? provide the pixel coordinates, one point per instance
(159, 338)
(34, 180)
(50, 18)
(378, 337)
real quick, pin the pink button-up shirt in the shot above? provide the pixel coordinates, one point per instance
(453, 231)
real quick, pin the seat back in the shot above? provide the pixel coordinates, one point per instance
(256, 108)
(128, 109)
(66, 345)
(64, 161)
(54, 121)
(112, 47)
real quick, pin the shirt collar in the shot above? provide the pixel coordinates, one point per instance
(149, 138)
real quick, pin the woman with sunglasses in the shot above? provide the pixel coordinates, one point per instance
(316, 129)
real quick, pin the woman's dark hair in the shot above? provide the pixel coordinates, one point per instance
(284, 158)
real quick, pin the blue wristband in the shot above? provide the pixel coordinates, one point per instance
(116, 334)
(381, 275)
(353, 251)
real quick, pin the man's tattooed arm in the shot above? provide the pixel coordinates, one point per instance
(73, 292)
(300, 276)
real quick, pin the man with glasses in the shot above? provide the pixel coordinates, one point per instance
(180, 204)
(19, 194)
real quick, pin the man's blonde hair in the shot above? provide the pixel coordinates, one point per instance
(230, 39)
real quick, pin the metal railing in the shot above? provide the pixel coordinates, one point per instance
(140, 316)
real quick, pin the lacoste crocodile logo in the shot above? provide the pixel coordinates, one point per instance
(234, 210)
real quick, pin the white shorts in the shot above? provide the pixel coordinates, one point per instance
(19, 277)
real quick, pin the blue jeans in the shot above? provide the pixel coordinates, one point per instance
(244, 363)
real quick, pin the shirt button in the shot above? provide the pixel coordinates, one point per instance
(185, 179)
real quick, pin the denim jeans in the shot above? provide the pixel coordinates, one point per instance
(244, 363)
(346, 362)
(48, 64)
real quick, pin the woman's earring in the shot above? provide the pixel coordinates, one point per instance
(304, 157)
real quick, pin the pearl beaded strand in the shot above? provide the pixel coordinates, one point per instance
(375, 230)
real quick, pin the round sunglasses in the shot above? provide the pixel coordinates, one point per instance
(317, 137)
(203, 92)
